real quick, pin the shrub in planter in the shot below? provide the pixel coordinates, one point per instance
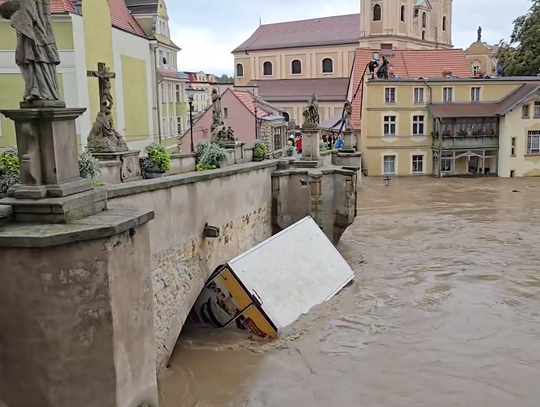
(210, 156)
(157, 162)
(89, 167)
(289, 151)
(260, 150)
(9, 169)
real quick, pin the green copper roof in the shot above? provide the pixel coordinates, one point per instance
(419, 3)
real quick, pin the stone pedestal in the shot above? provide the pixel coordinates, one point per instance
(76, 318)
(130, 167)
(51, 189)
(348, 146)
(311, 144)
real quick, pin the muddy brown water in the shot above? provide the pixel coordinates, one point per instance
(444, 311)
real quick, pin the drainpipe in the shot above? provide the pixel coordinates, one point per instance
(154, 46)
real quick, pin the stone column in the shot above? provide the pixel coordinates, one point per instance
(311, 143)
(76, 319)
(348, 142)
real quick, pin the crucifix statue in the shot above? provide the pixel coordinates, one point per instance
(103, 137)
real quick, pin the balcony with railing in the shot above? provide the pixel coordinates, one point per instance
(467, 134)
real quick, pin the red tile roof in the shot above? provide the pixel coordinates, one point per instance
(120, 16)
(300, 90)
(408, 64)
(250, 101)
(344, 29)
(487, 109)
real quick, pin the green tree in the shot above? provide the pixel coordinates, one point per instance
(521, 55)
(226, 79)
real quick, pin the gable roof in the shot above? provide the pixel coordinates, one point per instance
(485, 109)
(407, 64)
(300, 90)
(120, 16)
(249, 100)
(142, 6)
(336, 30)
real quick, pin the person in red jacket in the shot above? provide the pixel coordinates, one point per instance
(299, 144)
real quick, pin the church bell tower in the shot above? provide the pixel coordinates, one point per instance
(406, 24)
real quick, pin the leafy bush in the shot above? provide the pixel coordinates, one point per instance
(210, 156)
(89, 166)
(9, 169)
(289, 151)
(157, 161)
(260, 149)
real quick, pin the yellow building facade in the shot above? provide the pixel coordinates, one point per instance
(451, 127)
(87, 34)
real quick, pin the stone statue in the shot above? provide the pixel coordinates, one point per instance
(479, 34)
(311, 113)
(221, 133)
(103, 137)
(36, 53)
(382, 72)
(347, 115)
(216, 102)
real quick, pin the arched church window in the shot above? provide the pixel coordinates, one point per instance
(327, 65)
(267, 68)
(403, 13)
(423, 34)
(296, 67)
(424, 20)
(444, 23)
(239, 70)
(377, 12)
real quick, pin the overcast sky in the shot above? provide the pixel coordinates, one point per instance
(208, 30)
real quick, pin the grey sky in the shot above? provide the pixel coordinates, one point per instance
(207, 30)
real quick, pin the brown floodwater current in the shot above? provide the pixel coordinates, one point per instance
(444, 311)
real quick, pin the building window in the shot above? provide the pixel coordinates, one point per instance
(444, 23)
(475, 94)
(389, 164)
(179, 125)
(424, 20)
(537, 109)
(171, 94)
(178, 94)
(423, 34)
(164, 126)
(525, 111)
(377, 12)
(418, 95)
(513, 152)
(389, 125)
(162, 92)
(533, 142)
(476, 69)
(267, 69)
(389, 95)
(418, 126)
(415, 13)
(161, 59)
(225, 113)
(171, 126)
(417, 164)
(446, 162)
(239, 70)
(296, 67)
(327, 65)
(448, 94)
(278, 138)
(402, 13)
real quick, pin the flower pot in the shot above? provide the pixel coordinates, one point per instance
(152, 175)
(222, 164)
(258, 158)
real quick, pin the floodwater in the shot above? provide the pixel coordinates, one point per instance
(444, 311)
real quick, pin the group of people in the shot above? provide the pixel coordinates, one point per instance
(330, 139)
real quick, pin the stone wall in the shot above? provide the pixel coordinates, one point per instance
(267, 134)
(236, 199)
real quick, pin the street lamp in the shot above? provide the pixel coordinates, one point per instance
(189, 92)
(386, 180)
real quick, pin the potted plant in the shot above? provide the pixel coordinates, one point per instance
(89, 167)
(289, 151)
(156, 163)
(210, 156)
(9, 169)
(260, 150)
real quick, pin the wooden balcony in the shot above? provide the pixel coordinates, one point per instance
(480, 142)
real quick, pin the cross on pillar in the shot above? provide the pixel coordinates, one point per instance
(104, 76)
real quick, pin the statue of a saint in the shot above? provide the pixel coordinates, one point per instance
(479, 34)
(347, 114)
(103, 138)
(311, 113)
(36, 53)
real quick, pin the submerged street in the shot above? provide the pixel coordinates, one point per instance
(444, 311)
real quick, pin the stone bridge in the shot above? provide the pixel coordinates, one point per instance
(100, 295)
